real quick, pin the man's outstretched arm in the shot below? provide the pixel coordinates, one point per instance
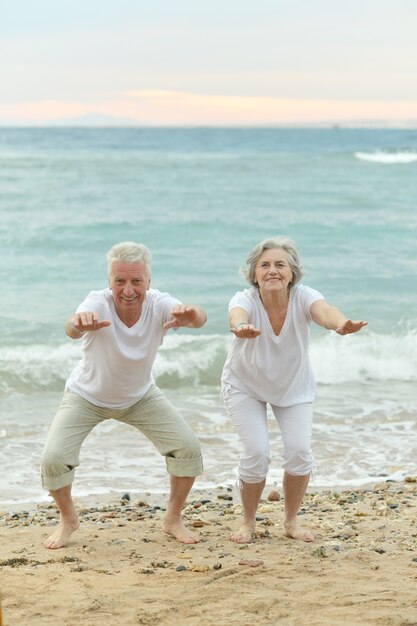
(187, 315)
(77, 324)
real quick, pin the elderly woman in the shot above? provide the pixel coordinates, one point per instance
(268, 364)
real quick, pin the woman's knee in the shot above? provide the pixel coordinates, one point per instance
(298, 462)
(254, 468)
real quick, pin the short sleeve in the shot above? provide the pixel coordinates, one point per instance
(163, 303)
(307, 296)
(242, 300)
(96, 302)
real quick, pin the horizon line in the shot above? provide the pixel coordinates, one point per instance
(397, 124)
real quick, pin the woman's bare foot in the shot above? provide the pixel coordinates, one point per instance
(180, 532)
(60, 537)
(245, 534)
(297, 532)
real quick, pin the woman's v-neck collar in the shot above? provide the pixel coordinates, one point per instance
(277, 338)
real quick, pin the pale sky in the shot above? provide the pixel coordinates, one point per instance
(217, 62)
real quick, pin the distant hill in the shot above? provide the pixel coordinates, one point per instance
(95, 120)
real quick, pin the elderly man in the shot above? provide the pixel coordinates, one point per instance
(121, 328)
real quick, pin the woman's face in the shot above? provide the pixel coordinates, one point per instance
(273, 271)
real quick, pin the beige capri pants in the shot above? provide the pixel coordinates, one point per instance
(153, 415)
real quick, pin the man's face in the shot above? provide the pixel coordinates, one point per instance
(129, 284)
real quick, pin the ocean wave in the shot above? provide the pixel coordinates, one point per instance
(387, 157)
(365, 357)
(186, 359)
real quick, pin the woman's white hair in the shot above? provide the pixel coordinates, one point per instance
(248, 271)
(131, 253)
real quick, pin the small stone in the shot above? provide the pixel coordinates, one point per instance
(251, 562)
(320, 552)
(381, 486)
(229, 511)
(125, 496)
(163, 564)
(68, 559)
(410, 479)
(180, 568)
(217, 566)
(147, 570)
(200, 568)
(198, 523)
(141, 503)
(273, 496)
(266, 508)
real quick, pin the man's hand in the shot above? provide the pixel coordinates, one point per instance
(79, 323)
(186, 315)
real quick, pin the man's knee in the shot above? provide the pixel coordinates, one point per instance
(189, 448)
(186, 459)
(55, 474)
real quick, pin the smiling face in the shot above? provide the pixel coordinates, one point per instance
(273, 272)
(129, 283)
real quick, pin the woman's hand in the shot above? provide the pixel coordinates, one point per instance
(349, 327)
(245, 331)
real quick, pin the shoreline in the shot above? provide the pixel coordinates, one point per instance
(199, 493)
(196, 493)
(361, 569)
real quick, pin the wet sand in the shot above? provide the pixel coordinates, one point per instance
(119, 568)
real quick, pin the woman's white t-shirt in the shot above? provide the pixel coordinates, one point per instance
(115, 370)
(274, 368)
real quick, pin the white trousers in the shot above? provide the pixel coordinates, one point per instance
(249, 417)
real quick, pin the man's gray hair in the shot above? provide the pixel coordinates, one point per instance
(131, 253)
(248, 271)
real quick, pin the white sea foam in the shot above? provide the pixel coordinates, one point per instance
(186, 359)
(365, 357)
(380, 156)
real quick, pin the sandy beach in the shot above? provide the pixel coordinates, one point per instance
(120, 568)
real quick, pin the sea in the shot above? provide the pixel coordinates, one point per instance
(200, 199)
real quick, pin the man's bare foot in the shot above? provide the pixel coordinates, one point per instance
(245, 534)
(180, 532)
(296, 532)
(60, 537)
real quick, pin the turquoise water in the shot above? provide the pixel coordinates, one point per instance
(200, 199)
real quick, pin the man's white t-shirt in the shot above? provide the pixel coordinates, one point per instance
(115, 370)
(274, 368)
